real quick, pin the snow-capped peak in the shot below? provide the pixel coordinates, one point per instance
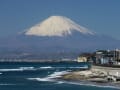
(56, 26)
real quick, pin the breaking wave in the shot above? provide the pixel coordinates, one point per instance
(47, 67)
(27, 68)
(51, 77)
(17, 69)
(40, 68)
(50, 67)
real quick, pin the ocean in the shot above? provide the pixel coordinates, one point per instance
(39, 76)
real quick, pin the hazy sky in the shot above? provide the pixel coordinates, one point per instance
(101, 16)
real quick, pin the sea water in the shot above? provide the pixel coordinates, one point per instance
(40, 76)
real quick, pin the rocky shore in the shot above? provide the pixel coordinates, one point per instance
(97, 75)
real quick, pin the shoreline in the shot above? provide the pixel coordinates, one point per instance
(93, 84)
(97, 75)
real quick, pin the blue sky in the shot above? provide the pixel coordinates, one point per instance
(101, 16)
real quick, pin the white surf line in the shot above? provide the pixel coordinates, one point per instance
(5, 70)
(27, 68)
(50, 77)
(40, 79)
(50, 67)
(57, 74)
(47, 67)
(18, 69)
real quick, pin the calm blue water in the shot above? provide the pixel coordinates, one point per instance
(39, 76)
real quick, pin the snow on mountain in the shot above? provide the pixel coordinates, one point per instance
(57, 26)
(54, 36)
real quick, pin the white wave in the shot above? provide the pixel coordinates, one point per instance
(50, 67)
(47, 67)
(40, 79)
(0, 73)
(60, 82)
(17, 69)
(57, 74)
(50, 77)
(32, 68)
(27, 68)
(6, 70)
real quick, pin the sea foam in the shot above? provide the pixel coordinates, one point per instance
(50, 77)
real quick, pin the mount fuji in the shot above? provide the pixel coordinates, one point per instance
(57, 34)
(57, 26)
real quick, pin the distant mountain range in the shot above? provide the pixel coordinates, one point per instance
(57, 34)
